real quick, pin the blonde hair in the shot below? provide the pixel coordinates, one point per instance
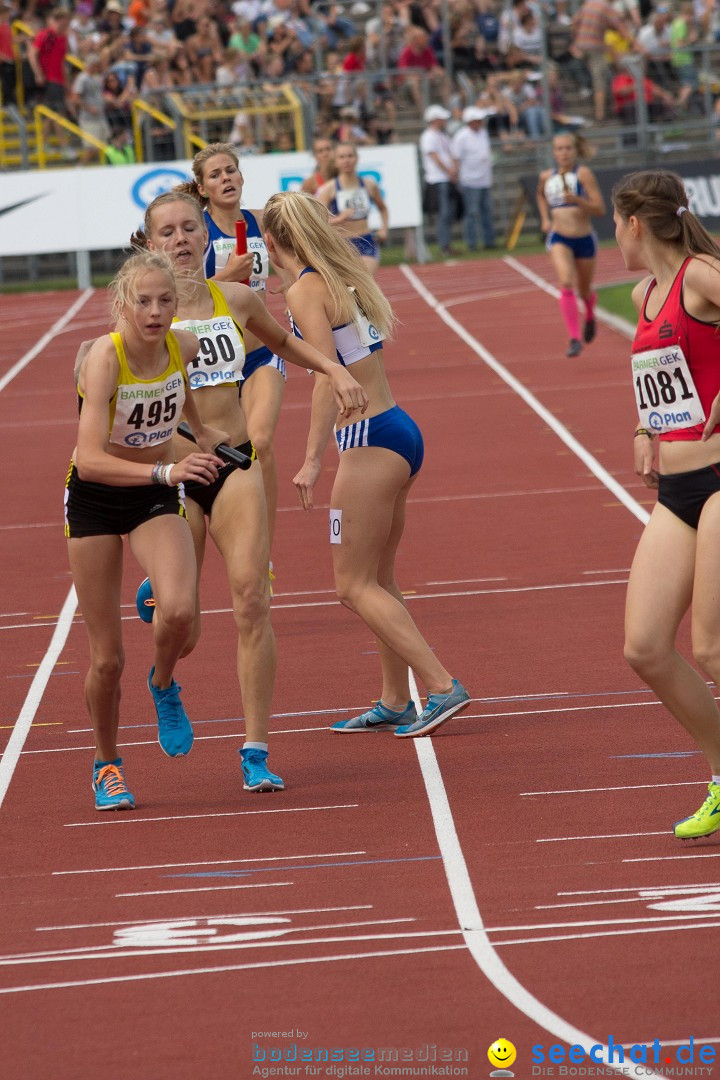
(299, 223)
(200, 161)
(123, 287)
(655, 198)
(583, 149)
(138, 240)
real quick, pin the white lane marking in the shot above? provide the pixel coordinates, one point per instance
(649, 890)
(159, 939)
(674, 858)
(191, 817)
(474, 932)
(552, 422)
(40, 344)
(602, 836)
(259, 914)
(621, 787)
(226, 968)
(603, 934)
(616, 322)
(24, 721)
(208, 888)
(207, 862)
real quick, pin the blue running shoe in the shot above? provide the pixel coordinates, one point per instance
(109, 785)
(439, 708)
(175, 733)
(256, 775)
(145, 601)
(379, 718)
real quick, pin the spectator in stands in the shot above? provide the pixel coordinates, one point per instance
(139, 12)
(384, 38)
(205, 50)
(87, 101)
(503, 119)
(439, 173)
(120, 150)
(117, 100)
(47, 59)
(244, 38)
(157, 80)
(184, 16)
(623, 87)
(473, 158)
(653, 42)
(83, 34)
(684, 34)
(354, 58)
(180, 69)
(417, 56)
(509, 21)
(526, 43)
(524, 96)
(488, 22)
(350, 129)
(139, 52)
(589, 26)
(381, 120)
(161, 36)
(112, 19)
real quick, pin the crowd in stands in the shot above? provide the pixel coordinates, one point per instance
(357, 60)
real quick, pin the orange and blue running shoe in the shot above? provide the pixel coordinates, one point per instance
(111, 792)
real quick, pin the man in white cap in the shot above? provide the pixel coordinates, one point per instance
(473, 156)
(439, 173)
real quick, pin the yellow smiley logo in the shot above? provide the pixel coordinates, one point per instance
(502, 1054)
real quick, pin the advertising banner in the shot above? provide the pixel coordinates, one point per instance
(98, 208)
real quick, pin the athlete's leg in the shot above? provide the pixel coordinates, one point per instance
(261, 399)
(371, 263)
(238, 526)
(659, 594)
(563, 262)
(369, 482)
(96, 566)
(585, 273)
(164, 548)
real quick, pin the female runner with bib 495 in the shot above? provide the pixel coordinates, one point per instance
(124, 480)
(336, 305)
(232, 510)
(568, 196)
(676, 377)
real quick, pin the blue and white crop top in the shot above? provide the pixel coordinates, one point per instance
(354, 340)
(220, 245)
(356, 199)
(558, 185)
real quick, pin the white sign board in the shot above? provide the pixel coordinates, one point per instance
(98, 208)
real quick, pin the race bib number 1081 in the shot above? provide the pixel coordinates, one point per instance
(664, 390)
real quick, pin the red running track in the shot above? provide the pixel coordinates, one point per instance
(514, 876)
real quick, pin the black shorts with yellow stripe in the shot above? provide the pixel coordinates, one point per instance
(206, 494)
(106, 509)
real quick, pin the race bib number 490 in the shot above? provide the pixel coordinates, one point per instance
(664, 389)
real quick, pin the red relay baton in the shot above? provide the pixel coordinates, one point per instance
(241, 242)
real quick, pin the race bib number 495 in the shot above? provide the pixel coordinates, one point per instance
(664, 390)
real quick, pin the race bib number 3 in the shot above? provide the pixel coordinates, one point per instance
(664, 390)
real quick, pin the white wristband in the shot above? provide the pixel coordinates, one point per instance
(168, 470)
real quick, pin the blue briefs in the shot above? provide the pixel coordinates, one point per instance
(582, 247)
(262, 357)
(394, 430)
(366, 245)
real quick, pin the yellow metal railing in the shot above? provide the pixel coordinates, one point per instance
(192, 114)
(22, 30)
(41, 111)
(139, 106)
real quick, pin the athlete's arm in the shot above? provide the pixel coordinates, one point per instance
(592, 203)
(349, 395)
(377, 198)
(207, 438)
(542, 203)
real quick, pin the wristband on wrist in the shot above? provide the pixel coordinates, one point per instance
(156, 474)
(168, 470)
(643, 431)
